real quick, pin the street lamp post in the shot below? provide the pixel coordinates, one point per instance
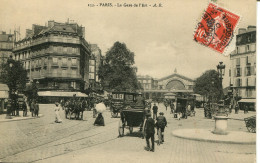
(221, 73)
(221, 118)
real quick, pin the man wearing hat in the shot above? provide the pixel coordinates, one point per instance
(161, 122)
(155, 110)
(149, 131)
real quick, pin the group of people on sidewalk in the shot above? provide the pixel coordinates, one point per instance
(82, 104)
(23, 103)
(150, 125)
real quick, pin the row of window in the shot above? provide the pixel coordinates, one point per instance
(144, 81)
(55, 72)
(68, 39)
(248, 82)
(51, 49)
(249, 92)
(245, 48)
(72, 84)
(248, 71)
(248, 60)
(44, 61)
(5, 45)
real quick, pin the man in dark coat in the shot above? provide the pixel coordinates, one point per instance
(149, 132)
(161, 123)
(36, 109)
(155, 110)
(32, 107)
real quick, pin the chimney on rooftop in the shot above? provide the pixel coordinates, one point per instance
(251, 28)
(28, 32)
(51, 23)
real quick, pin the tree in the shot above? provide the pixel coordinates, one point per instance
(209, 85)
(14, 76)
(117, 71)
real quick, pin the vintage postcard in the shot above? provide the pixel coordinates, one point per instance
(128, 81)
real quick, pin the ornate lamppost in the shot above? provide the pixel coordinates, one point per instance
(221, 73)
(221, 118)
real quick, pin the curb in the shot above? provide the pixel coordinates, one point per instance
(11, 120)
(237, 119)
(214, 141)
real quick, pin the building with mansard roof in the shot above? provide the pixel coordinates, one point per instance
(56, 57)
(242, 72)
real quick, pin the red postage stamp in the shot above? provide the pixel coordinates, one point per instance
(215, 30)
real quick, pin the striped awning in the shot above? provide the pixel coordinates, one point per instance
(61, 94)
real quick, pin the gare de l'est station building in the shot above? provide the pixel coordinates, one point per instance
(167, 86)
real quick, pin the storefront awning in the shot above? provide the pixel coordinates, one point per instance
(248, 100)
(4, 91)
(4, 94)
(61, 94)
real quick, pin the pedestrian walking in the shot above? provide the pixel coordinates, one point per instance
(236, 109)
(99, 120)
(149, 132)
(155, 110)
(24, 107)
(32, 107)
(57, 113)
(36, 109)
(166, 104)
(246, 109)
(161, 123)
(178, 111)
(172, 107)
(100, 107)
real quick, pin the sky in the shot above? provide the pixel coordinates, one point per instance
(161, 38)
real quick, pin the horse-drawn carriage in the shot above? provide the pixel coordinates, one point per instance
(251, 123)
(133, 112)
(74, 108)
(117, 103)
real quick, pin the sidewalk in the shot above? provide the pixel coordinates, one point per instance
(17, 118)
(240, 116)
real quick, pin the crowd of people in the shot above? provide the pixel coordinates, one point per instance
(14, 105)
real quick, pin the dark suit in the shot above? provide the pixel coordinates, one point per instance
(149, 130)
(155, 110)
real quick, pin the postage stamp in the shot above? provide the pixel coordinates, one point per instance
(215, 30)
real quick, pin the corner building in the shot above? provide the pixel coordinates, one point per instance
(56, 57)
(6, 47)
(243, 68)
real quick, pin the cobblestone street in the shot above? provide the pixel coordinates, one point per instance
(79, 141)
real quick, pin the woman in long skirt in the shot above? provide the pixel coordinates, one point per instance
(57, 113)
(99, 120)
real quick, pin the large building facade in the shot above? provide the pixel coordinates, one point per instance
(56, 56)
(6, 47)
(157, 88)
(243, 67)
